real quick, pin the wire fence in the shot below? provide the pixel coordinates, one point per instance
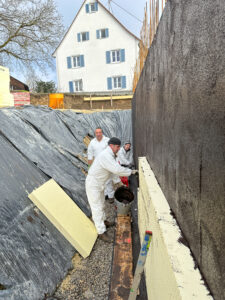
(148, 30)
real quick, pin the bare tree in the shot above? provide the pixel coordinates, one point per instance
(29, 32)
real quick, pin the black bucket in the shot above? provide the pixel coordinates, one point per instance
(123, 200)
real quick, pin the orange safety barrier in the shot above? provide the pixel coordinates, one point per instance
(56, 101)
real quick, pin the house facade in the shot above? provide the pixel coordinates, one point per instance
(97, 53)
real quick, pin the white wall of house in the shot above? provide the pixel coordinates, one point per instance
(95, 71)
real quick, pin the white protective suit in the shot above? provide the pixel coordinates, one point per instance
(124, 157)
(94, 149)
(103, 167)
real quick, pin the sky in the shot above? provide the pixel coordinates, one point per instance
(69, 8)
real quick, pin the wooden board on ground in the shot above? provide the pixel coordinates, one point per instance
(122, 275)
(66, 216)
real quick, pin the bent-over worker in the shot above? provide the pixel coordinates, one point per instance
(103, 167)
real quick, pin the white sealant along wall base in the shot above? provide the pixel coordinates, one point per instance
(169, 268)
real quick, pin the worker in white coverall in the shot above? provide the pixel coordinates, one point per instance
(103, 167)
(124, 155)
(96, 146)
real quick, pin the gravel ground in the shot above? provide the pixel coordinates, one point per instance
(90, 278)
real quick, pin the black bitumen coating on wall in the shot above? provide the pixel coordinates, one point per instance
(179, 124)
(38, 143)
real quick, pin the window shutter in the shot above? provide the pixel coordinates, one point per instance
(109, 83)
(78, 37)
(122, 55)
(87, 36)
(96, 6)
(87, 8)
(98, 34)
(82, 60)
(69, 65)
(124, 82)
(71, 86)
(106, 32)
(108, 57)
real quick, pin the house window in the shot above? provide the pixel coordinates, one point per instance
(76, 61)
(91, 7)
(83, 36)
(78, 85)
(117, 82)
(115, 56)
(102, 33)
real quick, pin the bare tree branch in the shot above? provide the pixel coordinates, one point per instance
(29, 32)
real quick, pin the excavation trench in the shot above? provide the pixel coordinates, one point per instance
(38, 143)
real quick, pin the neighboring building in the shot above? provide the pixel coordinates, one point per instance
(97, 53)
(16, 85)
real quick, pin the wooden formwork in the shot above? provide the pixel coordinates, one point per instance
(122, 275)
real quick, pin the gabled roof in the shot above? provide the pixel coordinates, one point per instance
(107, 12)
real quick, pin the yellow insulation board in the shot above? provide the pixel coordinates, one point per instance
(169, 269)
(66, 216)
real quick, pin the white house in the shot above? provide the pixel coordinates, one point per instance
(97, 53)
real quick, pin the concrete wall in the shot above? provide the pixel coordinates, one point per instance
(76, 101)
(169, 269)
(178, 123)
(95, 71)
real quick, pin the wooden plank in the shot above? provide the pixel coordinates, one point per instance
(103, 98)
(66, 216)
(122, 275)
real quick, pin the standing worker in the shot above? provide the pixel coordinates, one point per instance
(103, 167)
(96, 146)
(124, 155)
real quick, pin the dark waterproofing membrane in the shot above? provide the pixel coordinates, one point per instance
(37, 143)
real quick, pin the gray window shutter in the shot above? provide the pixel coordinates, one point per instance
(108, 57)
(109, 83)
(96, 6)
(69, 64)
(87, 8)
(87, 36)
(98, 34)
(71, 86)
(106, 32)
(78, 37)
(122, 55)
(124, 85)
(82, 60)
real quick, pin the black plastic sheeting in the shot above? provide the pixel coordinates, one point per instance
(37, 143)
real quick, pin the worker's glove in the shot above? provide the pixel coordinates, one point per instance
(133, 172)
(117, 185)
